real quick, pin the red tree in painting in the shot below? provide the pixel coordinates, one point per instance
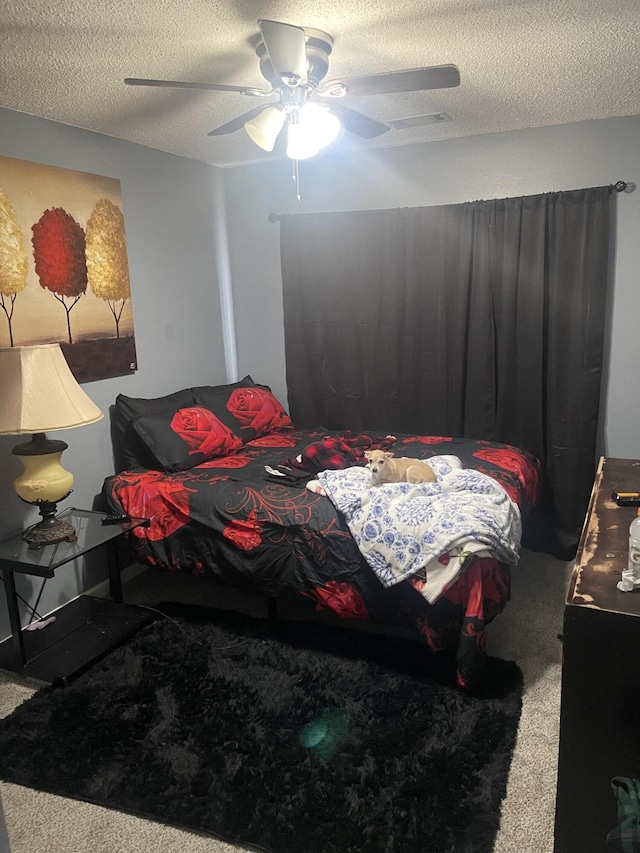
(60, 261)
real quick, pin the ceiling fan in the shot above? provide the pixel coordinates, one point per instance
(294, 61)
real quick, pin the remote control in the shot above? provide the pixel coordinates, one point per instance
(115, 519)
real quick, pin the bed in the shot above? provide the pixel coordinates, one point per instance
(234, 492)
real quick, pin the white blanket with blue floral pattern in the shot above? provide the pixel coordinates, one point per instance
(404, 528)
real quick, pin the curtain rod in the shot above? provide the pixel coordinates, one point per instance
(619, 187)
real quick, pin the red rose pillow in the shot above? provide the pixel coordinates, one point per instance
(249, 410)
(258, 409)
(186, 438)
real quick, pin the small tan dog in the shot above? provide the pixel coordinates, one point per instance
(385, 468)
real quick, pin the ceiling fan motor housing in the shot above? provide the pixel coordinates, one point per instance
(318, 46)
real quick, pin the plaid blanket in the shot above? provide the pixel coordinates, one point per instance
(334, 452)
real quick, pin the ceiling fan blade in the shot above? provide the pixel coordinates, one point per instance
(411, 80)
(215, 87)
(287, 51)
(236, 123)
(418, 121)
(357, 123)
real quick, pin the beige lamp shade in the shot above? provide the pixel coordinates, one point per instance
(265, 127)
(38, 392)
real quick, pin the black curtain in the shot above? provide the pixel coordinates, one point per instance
(482, 320)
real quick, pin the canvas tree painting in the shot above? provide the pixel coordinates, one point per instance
(64, 273)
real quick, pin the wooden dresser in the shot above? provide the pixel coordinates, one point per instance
(600, 706)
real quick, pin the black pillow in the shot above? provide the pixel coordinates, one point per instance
(251, 410)
(188, 437)
(130, 451)
(216, 399)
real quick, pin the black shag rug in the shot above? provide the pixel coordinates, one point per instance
(301, 737)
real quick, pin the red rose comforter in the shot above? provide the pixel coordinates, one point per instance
(247, 519)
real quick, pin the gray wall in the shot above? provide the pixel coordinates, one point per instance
(519, 163)
(169, 208)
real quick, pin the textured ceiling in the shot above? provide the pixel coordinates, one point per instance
(523, 63)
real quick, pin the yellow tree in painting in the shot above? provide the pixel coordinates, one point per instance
(107, 267)
(13, 260)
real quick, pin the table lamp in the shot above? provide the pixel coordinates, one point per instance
(38, 394)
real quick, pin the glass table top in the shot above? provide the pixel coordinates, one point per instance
(89, 529)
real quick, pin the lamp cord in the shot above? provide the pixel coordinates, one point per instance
(187, 633)
(34, 612)
(26, 532)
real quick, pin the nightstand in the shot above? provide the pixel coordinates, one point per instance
(84, 629)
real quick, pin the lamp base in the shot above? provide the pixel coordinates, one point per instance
(50, 530)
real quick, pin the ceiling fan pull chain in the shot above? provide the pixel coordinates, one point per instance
(296, 178)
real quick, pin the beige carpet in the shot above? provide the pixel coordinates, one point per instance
(526, 632)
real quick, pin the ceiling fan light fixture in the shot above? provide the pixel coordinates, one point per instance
(264, 128)
(300, 142)
(319, 124)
